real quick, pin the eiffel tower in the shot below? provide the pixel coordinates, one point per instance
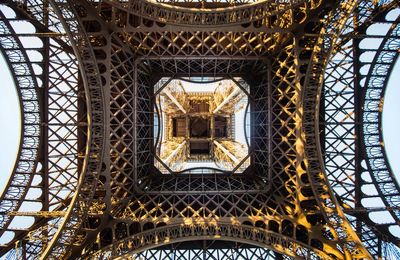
(307, 180)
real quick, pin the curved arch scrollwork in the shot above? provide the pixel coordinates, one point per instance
(27, 90)
(49, 188)
(209, 231)
(343, 121)
(375, 85)
(242, 14)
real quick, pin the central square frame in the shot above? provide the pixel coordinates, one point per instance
(186, 115)
(151, 73)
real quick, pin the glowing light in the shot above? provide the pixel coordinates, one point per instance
(196, 126)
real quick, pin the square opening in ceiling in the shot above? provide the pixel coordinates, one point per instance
(199, 148)
(201, 125)
(201, 106)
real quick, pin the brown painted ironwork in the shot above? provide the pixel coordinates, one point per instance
(85, 173)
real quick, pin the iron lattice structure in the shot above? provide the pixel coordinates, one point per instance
(199, 127)
(85, 178)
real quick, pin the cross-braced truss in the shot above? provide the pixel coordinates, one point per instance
(85, 175)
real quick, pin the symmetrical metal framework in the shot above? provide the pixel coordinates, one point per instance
(196, 129)
(85, 184)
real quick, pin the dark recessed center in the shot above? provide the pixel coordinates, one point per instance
(199, 148)
(220, 127)
(199, 127)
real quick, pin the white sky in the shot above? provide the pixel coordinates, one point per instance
(10, 129)
(391, 120)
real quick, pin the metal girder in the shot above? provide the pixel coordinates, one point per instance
(44, 214)
(173, 99)
(259, 11)
(226, 152)
(26, 84)
(227, 99)
(225, 231)
(301, 195)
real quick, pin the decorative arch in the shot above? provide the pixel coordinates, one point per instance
(170, 234)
